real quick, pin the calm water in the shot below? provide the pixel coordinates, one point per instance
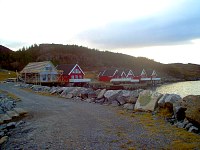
(181, 88)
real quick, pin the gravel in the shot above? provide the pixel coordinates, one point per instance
(58, 123)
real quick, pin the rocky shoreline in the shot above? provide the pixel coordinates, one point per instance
(10, 116)
(180, 112)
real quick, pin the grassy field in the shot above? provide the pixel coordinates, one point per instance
(4, 74)
(156, 125)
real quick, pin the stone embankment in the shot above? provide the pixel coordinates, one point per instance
(180, 112)
(9, 115)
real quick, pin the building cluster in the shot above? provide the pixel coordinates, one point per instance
(46, 72)
(127, 75)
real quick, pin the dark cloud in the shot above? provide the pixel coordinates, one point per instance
(178, 25)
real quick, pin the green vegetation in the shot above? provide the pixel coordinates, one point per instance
(6, 74)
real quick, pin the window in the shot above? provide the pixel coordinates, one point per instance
(76, 76)
(44, 77)
(72, 76)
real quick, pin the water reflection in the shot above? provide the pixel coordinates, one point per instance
(182, 88)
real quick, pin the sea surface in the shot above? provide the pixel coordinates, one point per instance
(181, 88)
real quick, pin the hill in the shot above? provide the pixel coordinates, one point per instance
(92, 59)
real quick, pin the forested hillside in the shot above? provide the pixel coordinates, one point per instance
(91, 59)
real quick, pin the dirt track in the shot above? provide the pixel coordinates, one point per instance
(57, 123)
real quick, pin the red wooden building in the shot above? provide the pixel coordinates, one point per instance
(107, 75)
(71, 73)
(129, 73)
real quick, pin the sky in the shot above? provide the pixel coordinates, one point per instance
(167, 31)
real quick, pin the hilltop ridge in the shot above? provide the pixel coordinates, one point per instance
(92, 60)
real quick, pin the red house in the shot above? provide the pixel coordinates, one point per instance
(129, 73)
(71, 73)
(120, 73)
(107, 75)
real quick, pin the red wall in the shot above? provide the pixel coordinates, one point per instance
(65, 78)
(105, 78)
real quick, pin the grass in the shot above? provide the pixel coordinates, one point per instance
(7, 74)
(12, 96)
(155, 125)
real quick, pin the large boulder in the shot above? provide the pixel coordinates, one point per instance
(192, 105)
(168, 99)
(147, 100)
(66, 91)
(169, 105)
(111, 95)
(101, 94)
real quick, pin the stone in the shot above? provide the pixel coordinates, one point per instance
(115, 103)
(161, 102)
(193, 129)
(100, 101)
(111, 95)
(11, 125)
(147, 100)
(8, 105)
(68, 96)
(19, 123)
(179, 112)
(1, 134)
(12, 114)
(3, 140)
(101, 94)
(126, 93)
(121, 99)
(20, 111)
(84, 95)
(128, 106)
(180, 124)
(3, 126)
(92, 94)
(136, 93)
(131, 100)
(187, 127)
(192, 104)
(170, 99)
(66, 91)
(89, 100)
(5, 117)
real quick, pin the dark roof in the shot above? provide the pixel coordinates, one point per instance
(108, 72)
(119, 72)
(149, 72)
(137, 72)
(66, 68)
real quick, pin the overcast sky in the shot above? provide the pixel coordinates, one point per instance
(167, 31)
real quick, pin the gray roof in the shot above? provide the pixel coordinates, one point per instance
(36, 67)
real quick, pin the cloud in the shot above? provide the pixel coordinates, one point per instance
(13, 45)
(178, 25)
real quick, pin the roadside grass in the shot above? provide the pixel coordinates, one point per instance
(12, 96)
(7, 74)
(181, 139)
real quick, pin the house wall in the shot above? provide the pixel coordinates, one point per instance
(47, 76)
(75, 74)
(105, 78)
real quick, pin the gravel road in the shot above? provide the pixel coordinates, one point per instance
(58, 123)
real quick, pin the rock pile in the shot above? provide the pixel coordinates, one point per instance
(8, 113)
(183, 113)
